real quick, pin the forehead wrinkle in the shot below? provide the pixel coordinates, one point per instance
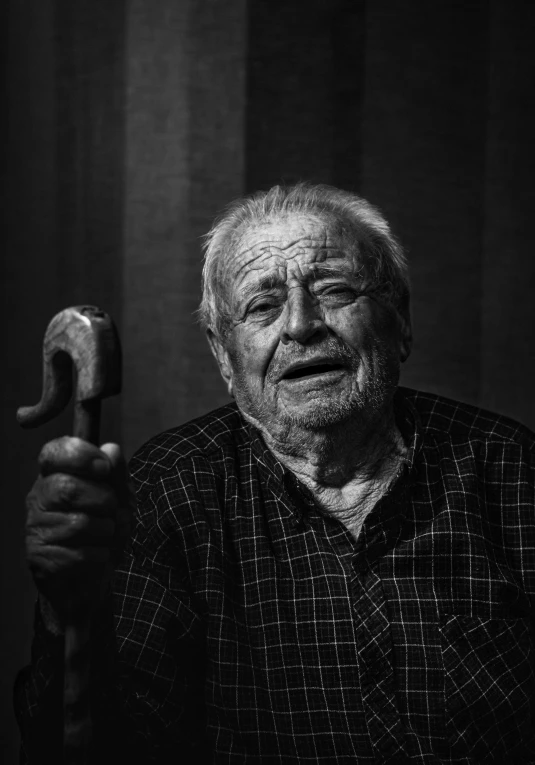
(292, 250)
(278, 240)
(269, 249)
(317, 245)
(315, 270)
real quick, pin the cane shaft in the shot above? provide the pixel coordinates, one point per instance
(76, 700)
(76, 710)
(81, 340)
(87, 420)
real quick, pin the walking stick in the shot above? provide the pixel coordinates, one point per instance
(82, 339)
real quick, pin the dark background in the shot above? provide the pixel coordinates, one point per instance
(132, 123)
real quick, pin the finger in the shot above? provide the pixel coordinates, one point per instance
(75, 456)
(114, 454)
(69, 529)
(119, 475)
(126, 495)
(67, 493)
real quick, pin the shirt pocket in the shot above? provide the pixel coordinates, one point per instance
(489, 687)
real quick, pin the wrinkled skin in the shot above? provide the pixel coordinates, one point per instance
(78, 523)
(80, 507)
(319, 306)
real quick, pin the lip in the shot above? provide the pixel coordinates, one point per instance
(313, 375)
(321, 378)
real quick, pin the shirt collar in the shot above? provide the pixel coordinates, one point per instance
(410, 427)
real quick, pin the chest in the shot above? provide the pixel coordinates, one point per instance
(427, 626)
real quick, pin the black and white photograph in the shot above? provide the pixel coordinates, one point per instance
(268, 389)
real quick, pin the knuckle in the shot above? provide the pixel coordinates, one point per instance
(31, 522)
(75, 449)
(66, 443)
(75, 523)
(52, 450)
(33, 542)
(32, 498)
(45, 455)
(39, 536)
(80, 526)
(65, 453)
(34, 502)
(64, 488)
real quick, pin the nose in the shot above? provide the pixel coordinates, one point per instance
(303, 318)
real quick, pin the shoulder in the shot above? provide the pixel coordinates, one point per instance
(204, 439)
(443, 417)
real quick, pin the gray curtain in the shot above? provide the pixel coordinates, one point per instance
(132, 124)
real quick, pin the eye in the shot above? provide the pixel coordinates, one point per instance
(337, 291)
(262, 306)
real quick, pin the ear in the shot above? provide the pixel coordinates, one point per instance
(405, 343)
(222, 357)
(405, 329)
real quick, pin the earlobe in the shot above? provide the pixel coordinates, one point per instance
(405, 350)
(405, 342)
(221, 356)
(405, 327)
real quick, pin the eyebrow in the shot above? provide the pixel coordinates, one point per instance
(323, 270)
(316, 270)
(266, 282)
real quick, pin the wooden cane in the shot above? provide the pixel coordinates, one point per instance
(82, 339)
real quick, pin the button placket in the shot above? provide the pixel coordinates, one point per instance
(375, 653)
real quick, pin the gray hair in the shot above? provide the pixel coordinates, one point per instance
(355, 219)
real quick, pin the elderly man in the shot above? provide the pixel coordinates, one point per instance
(331, 569)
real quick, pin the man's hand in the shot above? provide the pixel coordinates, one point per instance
(78, 524)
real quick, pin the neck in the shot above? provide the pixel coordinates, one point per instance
(350, 451)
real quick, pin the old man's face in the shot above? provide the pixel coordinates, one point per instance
(308, 344)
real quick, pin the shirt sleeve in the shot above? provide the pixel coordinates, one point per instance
(147, 665)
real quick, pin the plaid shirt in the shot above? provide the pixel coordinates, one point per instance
(250, 627)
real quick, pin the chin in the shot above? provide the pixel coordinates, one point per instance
(316, 412)
(316, 420)
(364, 405)
(316, 416)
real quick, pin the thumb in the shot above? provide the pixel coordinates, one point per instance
(114, 454)
(122, 483)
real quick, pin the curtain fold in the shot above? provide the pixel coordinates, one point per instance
(132, 124)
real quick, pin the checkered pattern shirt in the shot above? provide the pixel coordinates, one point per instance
(248, 627)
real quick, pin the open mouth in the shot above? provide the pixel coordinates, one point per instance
(313, 369)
